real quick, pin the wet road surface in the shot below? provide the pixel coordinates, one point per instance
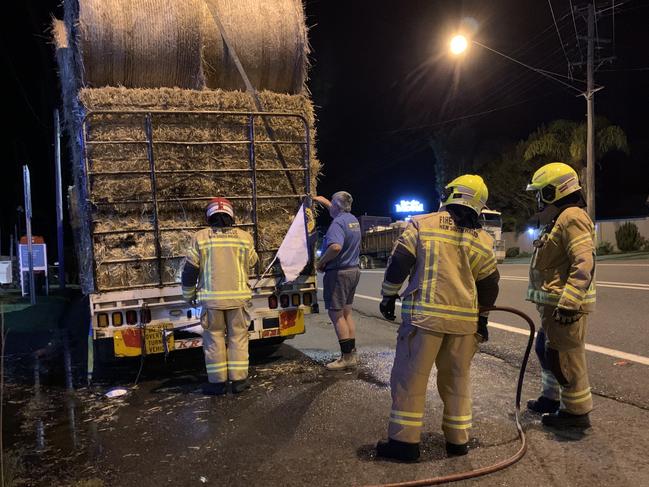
(297, 425)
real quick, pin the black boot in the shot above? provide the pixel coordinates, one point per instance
(543, 405)
(564, 420)
(453, 450)
(239, 386)
(215, 388)
(398, 450)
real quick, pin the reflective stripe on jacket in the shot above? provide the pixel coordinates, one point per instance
(224, 256)
(562, 271)
(441, 295)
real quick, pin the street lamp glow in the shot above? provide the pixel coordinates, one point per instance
(458, 44)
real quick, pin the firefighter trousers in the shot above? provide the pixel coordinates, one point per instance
(225, 362)
(417, 350)
(564, 371)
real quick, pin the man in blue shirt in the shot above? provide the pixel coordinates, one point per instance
(339, 262)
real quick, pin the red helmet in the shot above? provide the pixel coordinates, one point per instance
(219, 205)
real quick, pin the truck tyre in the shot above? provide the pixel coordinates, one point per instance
(364, 262)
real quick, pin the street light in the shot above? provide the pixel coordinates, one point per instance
(458, 44)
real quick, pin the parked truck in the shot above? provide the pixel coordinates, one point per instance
(492, 222)
(146, 160)
(378, 241)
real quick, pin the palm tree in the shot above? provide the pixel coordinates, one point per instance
(565, 141)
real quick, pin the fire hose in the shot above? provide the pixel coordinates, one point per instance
(479, 472)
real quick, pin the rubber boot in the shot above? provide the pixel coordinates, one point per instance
(239, 386)
(398, 450)
(564, 420)
(543, 405)
(215, 388)
(454, 450)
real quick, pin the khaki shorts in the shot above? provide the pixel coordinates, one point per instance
(340, 287)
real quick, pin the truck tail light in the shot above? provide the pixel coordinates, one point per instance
(283, 300)
(295, 299)
(145, 315)
(131, 317)
(272, 302)
(118, 319)
(307, 299)
(102, 320)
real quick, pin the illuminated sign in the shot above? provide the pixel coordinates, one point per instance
(412, 206)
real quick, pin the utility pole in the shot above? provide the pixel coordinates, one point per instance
(59, 198)
(590, 114)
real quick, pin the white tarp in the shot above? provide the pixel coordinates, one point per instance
(293, 254)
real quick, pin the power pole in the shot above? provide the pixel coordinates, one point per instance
(59, 198)
(590, 113)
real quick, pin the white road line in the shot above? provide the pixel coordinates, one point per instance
(626, 265)
(599, 264)
(591, 348)
(610, 284)
(639, 286)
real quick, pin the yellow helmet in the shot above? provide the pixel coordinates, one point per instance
(467, 190)
(554, 181)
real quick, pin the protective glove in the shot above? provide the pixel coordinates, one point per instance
(566, 316)
(483, 331)
(387, 307)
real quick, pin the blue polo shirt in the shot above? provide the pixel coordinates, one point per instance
(345, 231)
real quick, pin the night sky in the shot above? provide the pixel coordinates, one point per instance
(382, 85)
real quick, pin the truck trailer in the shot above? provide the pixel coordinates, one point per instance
(146, 160)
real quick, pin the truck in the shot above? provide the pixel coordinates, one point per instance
(377, 242)
(492, 222)
(145, 161)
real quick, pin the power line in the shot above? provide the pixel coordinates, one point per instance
(559, 35)
(470, 115)
(547, 74)
(574, 23)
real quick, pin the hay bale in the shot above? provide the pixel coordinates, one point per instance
(270, 38)
(141, 43)
(60, 34)
(136, 239)
(158, 43)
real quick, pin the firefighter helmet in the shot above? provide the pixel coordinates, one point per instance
(467, 190)
(554, 181)
(219, 205)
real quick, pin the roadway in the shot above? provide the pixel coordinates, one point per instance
(617, 337)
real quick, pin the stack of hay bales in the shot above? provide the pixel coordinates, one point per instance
(116, 55)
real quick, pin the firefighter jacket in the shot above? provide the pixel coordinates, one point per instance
(562, 272)
(216, 268)
(441, 295)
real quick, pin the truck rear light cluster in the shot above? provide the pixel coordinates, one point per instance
(102, 320)
(145, 315)
(131, 317)
(118, 319)
(293, 300)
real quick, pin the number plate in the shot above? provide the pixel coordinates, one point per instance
(153, 336)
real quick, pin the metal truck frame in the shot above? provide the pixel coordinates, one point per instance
(154, 318)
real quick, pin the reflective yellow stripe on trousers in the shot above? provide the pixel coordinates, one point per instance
(407, 418)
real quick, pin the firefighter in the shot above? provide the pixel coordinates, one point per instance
(216, 276)
(452, 269)
(562, 285)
